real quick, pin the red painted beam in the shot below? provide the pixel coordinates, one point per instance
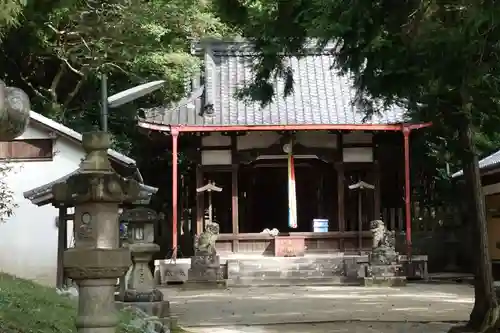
(406, 138)
(239, 128)
(175, 175)
(406, 129)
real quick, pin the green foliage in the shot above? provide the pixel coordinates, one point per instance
(7, 202)
(9, 13)
(28, 307)
(67, 44)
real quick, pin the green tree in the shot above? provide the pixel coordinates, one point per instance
(438, 59)
(60, 48)
(9, 14)
(67, 44)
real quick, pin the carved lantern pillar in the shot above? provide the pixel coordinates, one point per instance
(14, 112)
(96, 261)
(140, 225)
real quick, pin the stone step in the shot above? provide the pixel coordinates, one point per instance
(289, 265)
(267, 282)
(281, 274)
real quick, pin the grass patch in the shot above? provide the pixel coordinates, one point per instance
(26, 306)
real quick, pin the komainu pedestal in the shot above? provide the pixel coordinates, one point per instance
(205, 264)
(205, 268)
(383, 267)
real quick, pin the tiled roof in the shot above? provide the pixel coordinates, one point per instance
(320, 96)
(43, 194)
(487, 163)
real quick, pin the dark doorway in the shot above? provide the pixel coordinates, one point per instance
(269, 202)
(264, 192)
(306, 183)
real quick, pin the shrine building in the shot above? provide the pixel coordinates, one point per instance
(309, 165)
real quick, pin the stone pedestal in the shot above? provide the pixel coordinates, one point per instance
(384, 269)
(205, 269)
(96, 261)
(140, 287)
(384, 275)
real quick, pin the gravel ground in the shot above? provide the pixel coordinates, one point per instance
(346, 327)
(285, 305)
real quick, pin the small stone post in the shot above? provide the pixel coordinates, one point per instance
(96, 261)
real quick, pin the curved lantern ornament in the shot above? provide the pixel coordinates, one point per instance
(14, 112)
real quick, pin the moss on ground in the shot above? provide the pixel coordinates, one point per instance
(26, 306)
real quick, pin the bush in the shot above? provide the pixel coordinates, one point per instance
(29, 307)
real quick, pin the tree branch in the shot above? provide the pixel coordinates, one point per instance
(55, 82)
(73, 69)
(73, 93)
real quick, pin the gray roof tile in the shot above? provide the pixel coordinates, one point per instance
(486, 163)
(320, 96)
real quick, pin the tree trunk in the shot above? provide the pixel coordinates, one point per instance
(485, 313)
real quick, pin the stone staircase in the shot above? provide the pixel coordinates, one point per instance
(244, 270)
(276, 271)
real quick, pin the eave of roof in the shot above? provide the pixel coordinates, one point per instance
(42, 195)
(75, 136)
(486, 164)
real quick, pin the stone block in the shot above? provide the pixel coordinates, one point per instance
(205, 268)
(205, 261)
(143, 296)
(393, 281)
(208, 274)
(233, 267)
(351, 267)
(173, 272)
(157, 309)
(384, 270)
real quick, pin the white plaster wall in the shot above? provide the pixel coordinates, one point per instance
(28, 239)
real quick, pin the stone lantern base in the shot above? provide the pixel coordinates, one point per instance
(159, 309)
(141, 292)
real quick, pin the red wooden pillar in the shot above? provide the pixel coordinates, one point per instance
(175, 174)
(406, 137)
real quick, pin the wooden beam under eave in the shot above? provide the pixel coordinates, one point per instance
(62, 245)
(234, 193)
(339, 166)
(200, 201)
(377, 196)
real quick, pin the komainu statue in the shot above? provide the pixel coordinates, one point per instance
(384, 242)
(381, 236)
(205, 242)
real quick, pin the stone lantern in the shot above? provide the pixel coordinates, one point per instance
(96, 261)
(140, 225)
(141, 291)
(14, 112)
